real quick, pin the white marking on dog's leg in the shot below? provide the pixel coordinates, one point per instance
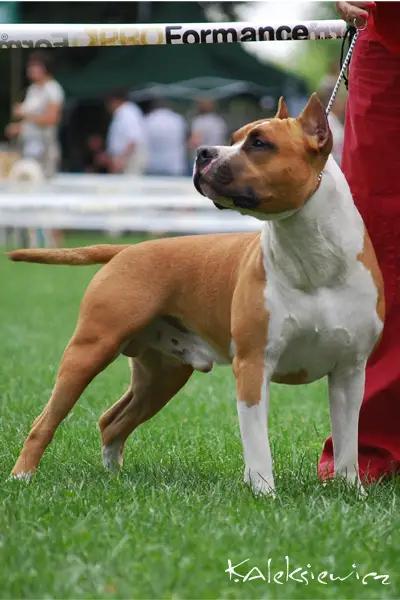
(346, 390)
(112, 456)
(24, 477)
(253, 420)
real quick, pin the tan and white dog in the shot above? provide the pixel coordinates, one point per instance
(298, 301)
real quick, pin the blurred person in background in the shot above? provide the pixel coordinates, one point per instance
(95, 158)
(36, 125)
(126, 137)
(39, 115)
(166, 132)
(371, 165)
(207, 128)
(336, 118)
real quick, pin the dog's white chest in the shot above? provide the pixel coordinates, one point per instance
(321, 299)
(311, 333)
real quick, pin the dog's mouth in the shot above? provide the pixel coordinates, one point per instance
(211, 186)
(197, 178)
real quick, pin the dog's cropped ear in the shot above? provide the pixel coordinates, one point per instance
(282, 112)
(315, 125)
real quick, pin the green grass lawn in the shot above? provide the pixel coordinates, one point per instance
(167, 525)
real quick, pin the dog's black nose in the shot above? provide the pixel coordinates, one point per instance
(205, 154)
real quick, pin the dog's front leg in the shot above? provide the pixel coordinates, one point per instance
(346, 390)
(252, 384)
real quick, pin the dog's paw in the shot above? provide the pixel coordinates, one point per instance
(355, 484)
(361, 491)
(112, 457)
(24, 477)
(351, 479)
(260, 483)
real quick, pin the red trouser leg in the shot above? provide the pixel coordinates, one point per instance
(371, 163)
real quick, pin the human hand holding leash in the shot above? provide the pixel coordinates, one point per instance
(355, 13)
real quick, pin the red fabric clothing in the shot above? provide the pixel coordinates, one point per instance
(384, 25)
(371, 163)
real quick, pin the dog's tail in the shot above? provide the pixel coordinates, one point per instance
(89, 255)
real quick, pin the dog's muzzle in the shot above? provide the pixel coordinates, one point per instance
(205, 156)
(218, 175)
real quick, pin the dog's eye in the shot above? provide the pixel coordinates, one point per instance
(260, 143)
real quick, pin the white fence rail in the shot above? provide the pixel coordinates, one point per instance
(116, 203)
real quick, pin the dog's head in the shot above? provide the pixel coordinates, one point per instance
(271, 167)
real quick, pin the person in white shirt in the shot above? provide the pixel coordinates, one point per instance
(126, 137)
(208, 128)
(39, 115)
(166, 133)
(35, 128)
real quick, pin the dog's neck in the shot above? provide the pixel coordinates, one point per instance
(317, 245)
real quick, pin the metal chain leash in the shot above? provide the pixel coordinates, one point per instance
(341, 74)
(345, 64)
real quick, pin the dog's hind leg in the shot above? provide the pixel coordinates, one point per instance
(112, 312)
(113, 453)
(156, 378)
(86, 355)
